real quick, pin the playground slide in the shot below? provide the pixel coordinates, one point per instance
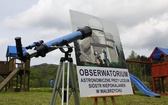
(8, 78)
(142, 87)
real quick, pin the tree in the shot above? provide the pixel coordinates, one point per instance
(132, 56)
(140, 70)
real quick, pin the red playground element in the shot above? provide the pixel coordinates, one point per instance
(159, 60)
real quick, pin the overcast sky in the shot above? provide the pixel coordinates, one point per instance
(142, 24)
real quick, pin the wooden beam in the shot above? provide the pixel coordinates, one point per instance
(135, 61)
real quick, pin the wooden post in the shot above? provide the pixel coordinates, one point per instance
(24, 76)
(153, 84)
(95, 101)
(113, 100)
(167, 80)
(28, 81)
(163, 89)
(104, 99)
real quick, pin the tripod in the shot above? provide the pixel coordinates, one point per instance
(70, 74)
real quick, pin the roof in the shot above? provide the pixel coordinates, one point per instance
(12, 52)
(159, 52)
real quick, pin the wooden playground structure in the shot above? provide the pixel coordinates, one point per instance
(159, 60)
(159, 69)
(16, 73)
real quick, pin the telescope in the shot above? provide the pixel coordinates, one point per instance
(41, 48)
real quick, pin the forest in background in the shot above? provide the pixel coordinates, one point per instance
(41, 75)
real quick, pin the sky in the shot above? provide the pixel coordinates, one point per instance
(142, 24)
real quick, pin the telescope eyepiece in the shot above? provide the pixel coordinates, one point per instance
(19, 46)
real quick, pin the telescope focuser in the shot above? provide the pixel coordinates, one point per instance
(35, 44)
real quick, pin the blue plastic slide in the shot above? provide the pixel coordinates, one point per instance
(142, 87)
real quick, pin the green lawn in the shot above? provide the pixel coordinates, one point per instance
(43, 96)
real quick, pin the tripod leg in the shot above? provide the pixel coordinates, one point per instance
(63, 71)
(56, 84)
(74, 85)
(67, 97)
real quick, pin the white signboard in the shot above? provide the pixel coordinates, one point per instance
(101, 65)
(97, 81)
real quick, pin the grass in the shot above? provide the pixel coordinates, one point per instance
(42, 96)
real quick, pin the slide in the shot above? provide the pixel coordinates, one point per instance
(142, 87)
(8, 78)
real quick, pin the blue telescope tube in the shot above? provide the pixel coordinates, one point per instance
(58, 42)
(79, 34)
(69, 38)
